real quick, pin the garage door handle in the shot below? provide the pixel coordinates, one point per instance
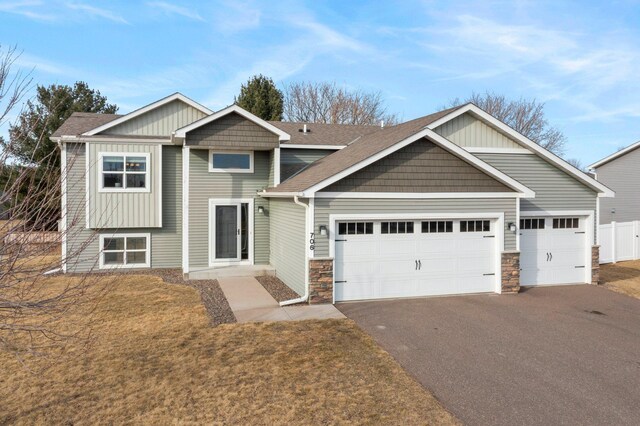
(580, 232)
(547, 257)
(416, 265)
(339, 241)
(420, 264)
(551, 256)
(489, 236)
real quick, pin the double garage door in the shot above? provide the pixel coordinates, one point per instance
(409, 258)
(376, 259)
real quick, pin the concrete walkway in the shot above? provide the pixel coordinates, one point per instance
(250, 302)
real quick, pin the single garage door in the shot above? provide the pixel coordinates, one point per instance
(409, 258)
(552, 250)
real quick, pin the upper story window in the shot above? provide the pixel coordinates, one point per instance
(124, 172)
(231, 162)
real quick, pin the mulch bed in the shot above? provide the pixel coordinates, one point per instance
(277, 289)
(211, 294)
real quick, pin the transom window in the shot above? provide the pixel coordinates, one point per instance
(124, 172)
(355, 228)
(437, 226)
(124, 251)
(566, 223)
(475, 225)
(231, 162)
(535, 223)
(396, 227)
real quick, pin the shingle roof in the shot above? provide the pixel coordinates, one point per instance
(356, 152)
(80, 122)
(323, 134)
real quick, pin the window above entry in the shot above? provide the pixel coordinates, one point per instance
(124, 172)
(231, 161)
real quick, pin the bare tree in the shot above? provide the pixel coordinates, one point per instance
(523, 115)
(327, 103)
(32, 304)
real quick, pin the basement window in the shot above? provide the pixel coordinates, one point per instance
(124, 251)
(475, 225)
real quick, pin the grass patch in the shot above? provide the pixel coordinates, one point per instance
(622, 277)
(154, 359)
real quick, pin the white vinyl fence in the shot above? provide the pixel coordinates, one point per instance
(619, 241)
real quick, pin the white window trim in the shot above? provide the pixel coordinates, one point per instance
(147, 172)
(146, 264)
(212, 152)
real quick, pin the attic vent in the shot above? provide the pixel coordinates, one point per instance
(304, 129)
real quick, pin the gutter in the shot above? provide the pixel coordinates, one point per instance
(306, 263)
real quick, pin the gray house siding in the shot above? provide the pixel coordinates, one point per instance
(292, 160)
(233, 132)
(327, 206)
(83, 244)
(622, 175)
(124, 209)
(419, 167)
(468, 131)
(161, 121)
(204, 185)
(288, 229)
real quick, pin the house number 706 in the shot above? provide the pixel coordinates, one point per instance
(312, 241)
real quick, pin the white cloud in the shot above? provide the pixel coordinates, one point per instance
(172, 9)
(26, 8)
(97, 12)
(235, 16)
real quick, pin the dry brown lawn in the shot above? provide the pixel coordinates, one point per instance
(156, 360)
(623, 277)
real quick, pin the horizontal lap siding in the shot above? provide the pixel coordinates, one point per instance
(161, 121)
(419, 167)
(468, 131)
(288, 229)
(204, 185)
(327, 206)
(233, 132)
(622, 176)
(83, 244)
(555, 189)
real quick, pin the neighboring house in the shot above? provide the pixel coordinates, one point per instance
(450, 203)
(621, 173)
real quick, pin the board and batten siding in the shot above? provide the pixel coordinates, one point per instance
(292, 160)
(233, 132)
(467, 131)
(161, 121)
(419, 167)
(288, 232)
(124, 209)
(622, 175)
(205, 185)
(324, 207)
(83, 244)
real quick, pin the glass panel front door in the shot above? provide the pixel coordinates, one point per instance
(226, 232)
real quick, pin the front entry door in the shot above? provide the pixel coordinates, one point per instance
(227, 232)
(230, 224)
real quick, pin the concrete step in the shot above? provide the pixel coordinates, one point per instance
(232, 271)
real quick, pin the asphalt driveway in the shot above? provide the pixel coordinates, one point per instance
(553, 355)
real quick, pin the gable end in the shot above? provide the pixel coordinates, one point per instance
(232, 131)
(419, 167)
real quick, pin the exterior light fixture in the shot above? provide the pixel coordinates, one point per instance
(323, 230)
(512, 227)
(260, 209)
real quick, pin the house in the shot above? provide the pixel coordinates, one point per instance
(621, 173)
(451, 203)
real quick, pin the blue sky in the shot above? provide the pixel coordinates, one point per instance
(581, 58)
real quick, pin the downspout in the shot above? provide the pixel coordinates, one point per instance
(306, 260)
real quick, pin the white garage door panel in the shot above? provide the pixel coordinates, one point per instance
(553, 256)
(380, 265)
